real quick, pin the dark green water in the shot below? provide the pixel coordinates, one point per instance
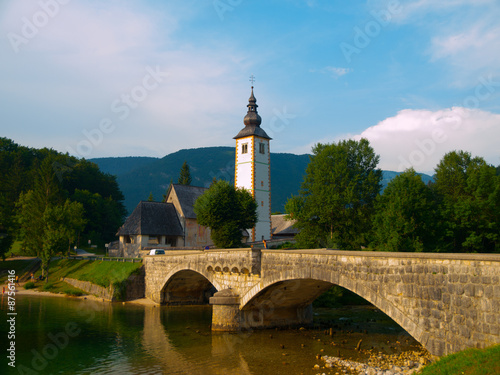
(75, 336)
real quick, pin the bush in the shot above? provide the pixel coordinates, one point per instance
(48, 286)
(29, 285)
(73, 292)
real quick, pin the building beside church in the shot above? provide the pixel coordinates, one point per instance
(253, 169)
(163, 225)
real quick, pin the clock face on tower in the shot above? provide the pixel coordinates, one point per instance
(252, 169)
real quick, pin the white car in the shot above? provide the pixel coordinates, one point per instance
(157, 252)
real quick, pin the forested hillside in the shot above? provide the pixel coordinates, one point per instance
(42, 191)
(205, 164)
(140, 176)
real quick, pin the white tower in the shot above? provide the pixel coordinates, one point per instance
(253, 168)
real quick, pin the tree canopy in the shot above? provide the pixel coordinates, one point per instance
(336, 198)
(469, 196)
(60, 177)
(405, 215)
(47, 224)
(227, 211)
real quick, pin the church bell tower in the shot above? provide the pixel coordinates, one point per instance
(253, 168)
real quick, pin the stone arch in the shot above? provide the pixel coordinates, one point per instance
(235, 270)
(278, 293)
(185, 285)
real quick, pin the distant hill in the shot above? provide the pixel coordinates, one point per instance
(139, 176)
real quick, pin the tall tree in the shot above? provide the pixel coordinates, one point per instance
(185, 175)
(405, 215)
(227, 212)
(32, 206)
(337, 195)
(61, 224)
(469, 191)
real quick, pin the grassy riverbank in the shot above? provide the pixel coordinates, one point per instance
(102, 273)
(467, 362)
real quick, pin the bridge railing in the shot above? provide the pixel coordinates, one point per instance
(106, 259)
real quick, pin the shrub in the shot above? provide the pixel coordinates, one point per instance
(29, 285)
(73, 292)
(48, 286)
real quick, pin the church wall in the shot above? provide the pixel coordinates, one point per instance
(197, 235)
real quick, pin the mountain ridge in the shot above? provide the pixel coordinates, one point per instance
(139, 176)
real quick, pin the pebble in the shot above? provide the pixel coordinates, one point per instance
(379, 364)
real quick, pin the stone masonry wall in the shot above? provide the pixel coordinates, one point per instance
(229, 268)
(448, 302)
(95, 290)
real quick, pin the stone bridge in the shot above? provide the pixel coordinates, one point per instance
(447, 302)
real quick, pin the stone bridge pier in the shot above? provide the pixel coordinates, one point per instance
(447, 302)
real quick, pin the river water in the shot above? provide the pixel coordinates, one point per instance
(56, 335)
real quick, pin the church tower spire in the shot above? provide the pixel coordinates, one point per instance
(253, 168)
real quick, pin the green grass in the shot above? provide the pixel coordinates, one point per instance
(20, 266)
(103, 273)
(467, 362)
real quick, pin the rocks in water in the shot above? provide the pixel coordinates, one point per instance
(381, 364)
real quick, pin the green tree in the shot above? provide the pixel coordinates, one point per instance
(61, 224)
(185, 175)
(469, 193)
(31, 208)
(227, 212)
(337, 195)
(151, 198)
(47, 224)
(405, 215)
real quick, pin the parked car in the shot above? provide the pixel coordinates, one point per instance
(157, 252)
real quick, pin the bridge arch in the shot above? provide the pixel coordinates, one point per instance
(277, 295)
(188, 285)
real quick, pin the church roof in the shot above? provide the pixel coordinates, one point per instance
(252, 121)
(187, 195)
(152, 218)
(280, 226)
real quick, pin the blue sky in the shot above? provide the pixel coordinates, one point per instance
(418, 78)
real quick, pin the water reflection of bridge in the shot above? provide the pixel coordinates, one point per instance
(158, 342)
(447, 302)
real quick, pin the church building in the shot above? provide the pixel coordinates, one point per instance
(253, 169)
(172, 224)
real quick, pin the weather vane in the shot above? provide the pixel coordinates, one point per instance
(252, 79)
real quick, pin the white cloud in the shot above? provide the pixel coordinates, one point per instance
(420, 138)
(91, 54)
(463, 34)
(334, 72)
